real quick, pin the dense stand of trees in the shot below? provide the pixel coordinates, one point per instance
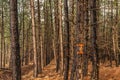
(75, 33)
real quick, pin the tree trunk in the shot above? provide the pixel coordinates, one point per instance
(40, 51)
(16, 67)
(56, 35)
(67, 45)
(23, 53)
(34, 38)
(60, 35)
(95, 61)
(2, 37)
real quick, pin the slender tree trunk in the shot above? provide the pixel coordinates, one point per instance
(85, 68)
(34, 38)
(67, 46)
(27, 47)
(116, 34)
(40, 39)
(2, 37)
(56, 35)
(95, 61)
(23, 54)
(4, 57)
(60, 35)
(72, 27)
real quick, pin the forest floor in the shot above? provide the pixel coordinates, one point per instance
(49, 73)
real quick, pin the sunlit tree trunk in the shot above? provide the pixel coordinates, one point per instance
(34, 38)
(60, 35)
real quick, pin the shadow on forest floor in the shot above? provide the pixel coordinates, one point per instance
(49, 73)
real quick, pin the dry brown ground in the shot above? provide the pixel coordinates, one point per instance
(106, 73)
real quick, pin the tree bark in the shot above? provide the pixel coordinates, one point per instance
(95, 58)
(34, 38)
(39, 39)
(67, 45)
(60, 35)
(16, 67)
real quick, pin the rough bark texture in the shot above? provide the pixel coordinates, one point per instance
(16, 67)
(67, 46)
(95, 58)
